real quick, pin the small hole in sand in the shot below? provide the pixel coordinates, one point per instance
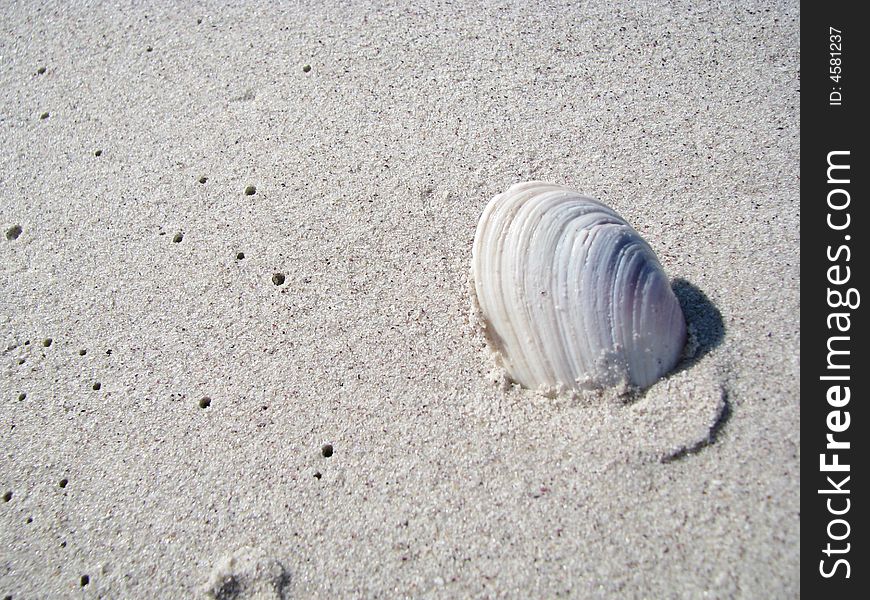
(44, 116)
(98, 153)
(85, 580)
(326, 450)
(203, 179)
(306, 68)
(47, 342)
(82, 352)
(278, 278)
(13, 232)
(62, 483)
(22, 396)
(7, 496)
(240, 256)
(205, 402)
(318, 475)
(250, 190)
(97, 385)
(178, 237)
(21, 361)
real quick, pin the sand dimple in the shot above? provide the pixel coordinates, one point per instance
(13, 232)
(680, 415)
(247, 573)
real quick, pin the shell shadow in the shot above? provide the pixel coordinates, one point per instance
(703, 319)
(706, 332)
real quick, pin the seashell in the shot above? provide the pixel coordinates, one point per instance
(569, 295)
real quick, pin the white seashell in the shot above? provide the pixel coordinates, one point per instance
(570, 296)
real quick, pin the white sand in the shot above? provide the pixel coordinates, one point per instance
(370, 173)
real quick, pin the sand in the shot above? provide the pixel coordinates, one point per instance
(130, 134)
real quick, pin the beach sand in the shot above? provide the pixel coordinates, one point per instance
(166, 396)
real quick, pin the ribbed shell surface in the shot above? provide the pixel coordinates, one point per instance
(571, 296)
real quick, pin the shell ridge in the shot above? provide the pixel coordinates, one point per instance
(569, 294)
